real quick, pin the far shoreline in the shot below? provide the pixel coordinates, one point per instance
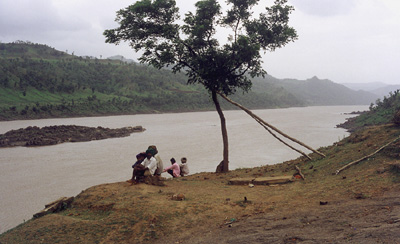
(163, 112)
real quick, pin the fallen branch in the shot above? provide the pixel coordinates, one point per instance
(299, 171)
(365, 157)
(265, 124)
(279, 139)
(56, 206)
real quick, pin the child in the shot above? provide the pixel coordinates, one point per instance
(174, 169)
(139, 159)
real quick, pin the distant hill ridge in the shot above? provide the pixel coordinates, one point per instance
(38, 81)
(378, 88)
(325, 92)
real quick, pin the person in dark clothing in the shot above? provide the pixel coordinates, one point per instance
(139, 159)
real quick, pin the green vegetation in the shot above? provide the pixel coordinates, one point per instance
(382, 112)
(37, 81)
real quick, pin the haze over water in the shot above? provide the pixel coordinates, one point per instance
(33, 177)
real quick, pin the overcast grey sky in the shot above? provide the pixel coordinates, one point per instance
(345, 41)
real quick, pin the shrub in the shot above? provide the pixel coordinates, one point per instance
(396, 118)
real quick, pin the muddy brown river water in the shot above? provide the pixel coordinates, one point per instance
(33, 177)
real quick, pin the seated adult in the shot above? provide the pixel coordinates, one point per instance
(146, 168)
(184, 167)
(156, 155)
(174, 169)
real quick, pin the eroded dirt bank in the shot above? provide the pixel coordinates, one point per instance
(51, 135)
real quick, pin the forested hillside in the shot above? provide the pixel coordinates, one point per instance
(37, 81)
(324, 92)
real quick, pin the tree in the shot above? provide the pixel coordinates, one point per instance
(192, 46)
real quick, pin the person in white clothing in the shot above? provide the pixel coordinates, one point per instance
(156, 155)
(146, 168)
(150, 162)
(184, 167)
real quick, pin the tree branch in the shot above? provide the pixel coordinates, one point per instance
(242, 73)
(236, 28)
(189, 48)
(300, 173)
(363, 158)
(270, 126)
(279, 139)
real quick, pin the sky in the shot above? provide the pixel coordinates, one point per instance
(346, 41)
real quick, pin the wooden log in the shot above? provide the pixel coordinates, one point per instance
(55, 206)
(55, 202)
(241, 181)
(365, 157)
(299, 171)
(259, 120)
(279, 139)
(273, 180)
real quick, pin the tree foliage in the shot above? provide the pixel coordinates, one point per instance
(193, 47)
(221, 67)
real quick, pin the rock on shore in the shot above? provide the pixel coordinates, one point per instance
(51, 135)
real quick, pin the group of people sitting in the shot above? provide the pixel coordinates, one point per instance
(177, 170)
(149, 163)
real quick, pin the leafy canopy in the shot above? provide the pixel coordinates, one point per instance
(152, 26)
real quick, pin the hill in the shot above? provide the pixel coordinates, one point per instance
(315, 91)
(365, 86)
(37, 81)
(384, 91)
(379, 88)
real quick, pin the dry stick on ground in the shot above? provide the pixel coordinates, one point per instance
(299, 170)
(259, 120)
(365, 157)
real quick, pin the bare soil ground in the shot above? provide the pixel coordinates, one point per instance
(374, 220)
(359, 205)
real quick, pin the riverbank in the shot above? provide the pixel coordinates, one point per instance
(361, 204)
(91, 113)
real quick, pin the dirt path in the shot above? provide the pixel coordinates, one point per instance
(374, 220)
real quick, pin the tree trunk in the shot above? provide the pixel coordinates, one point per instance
(225, 163)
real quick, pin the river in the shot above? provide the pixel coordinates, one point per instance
(33, 177)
